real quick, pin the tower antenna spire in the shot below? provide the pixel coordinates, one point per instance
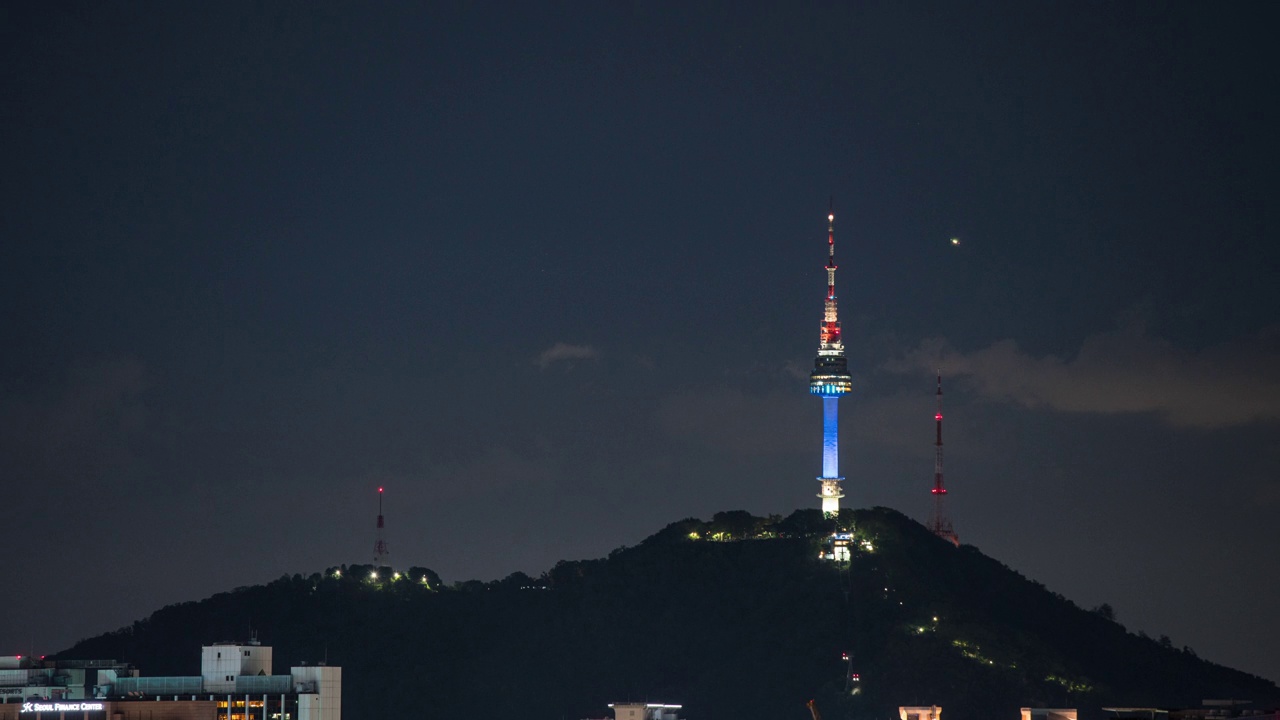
(381, 556)
(940, 524)
(831, 251)
(829, 380)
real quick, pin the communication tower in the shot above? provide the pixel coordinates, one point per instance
(381, 555)
(940, 524)
(829, 380)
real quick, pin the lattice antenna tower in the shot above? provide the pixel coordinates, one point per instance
(940, 523)
(381, 555)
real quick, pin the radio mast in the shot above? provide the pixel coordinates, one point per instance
(940, 524)
(381, 555)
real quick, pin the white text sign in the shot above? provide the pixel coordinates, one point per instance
(35, 707)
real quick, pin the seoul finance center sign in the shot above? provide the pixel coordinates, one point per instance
(35, 707)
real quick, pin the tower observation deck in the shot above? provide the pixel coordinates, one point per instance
(829, 380)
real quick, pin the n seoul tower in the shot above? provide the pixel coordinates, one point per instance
(829, 380)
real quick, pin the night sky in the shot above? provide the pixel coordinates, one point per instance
(552, 274)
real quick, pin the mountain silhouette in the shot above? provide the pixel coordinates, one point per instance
(736, 617)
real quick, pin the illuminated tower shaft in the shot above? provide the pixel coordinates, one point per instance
(381, 555)
(829, 380)
(831, 437)
(940, 524)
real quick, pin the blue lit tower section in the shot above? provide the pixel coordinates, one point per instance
(830, 379)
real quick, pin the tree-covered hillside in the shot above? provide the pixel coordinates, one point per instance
(734, 618)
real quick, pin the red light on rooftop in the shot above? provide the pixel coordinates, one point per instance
(938, 416)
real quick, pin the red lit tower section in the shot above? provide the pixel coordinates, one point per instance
(940, 524)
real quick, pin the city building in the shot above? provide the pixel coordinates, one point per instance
(1049, 714)
(838, 546)
(644, 711)
(1208, 710)
(24, 678)
(925, 712)
(235, 683)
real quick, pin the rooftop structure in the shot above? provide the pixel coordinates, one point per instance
(644, 711)
(925, 712)
(25, 678)
(1049, 714)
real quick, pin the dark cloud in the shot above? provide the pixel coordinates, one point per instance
(1124, 371)
(564, 352)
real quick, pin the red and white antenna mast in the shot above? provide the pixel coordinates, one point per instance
(940, 524)
(381, 555)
